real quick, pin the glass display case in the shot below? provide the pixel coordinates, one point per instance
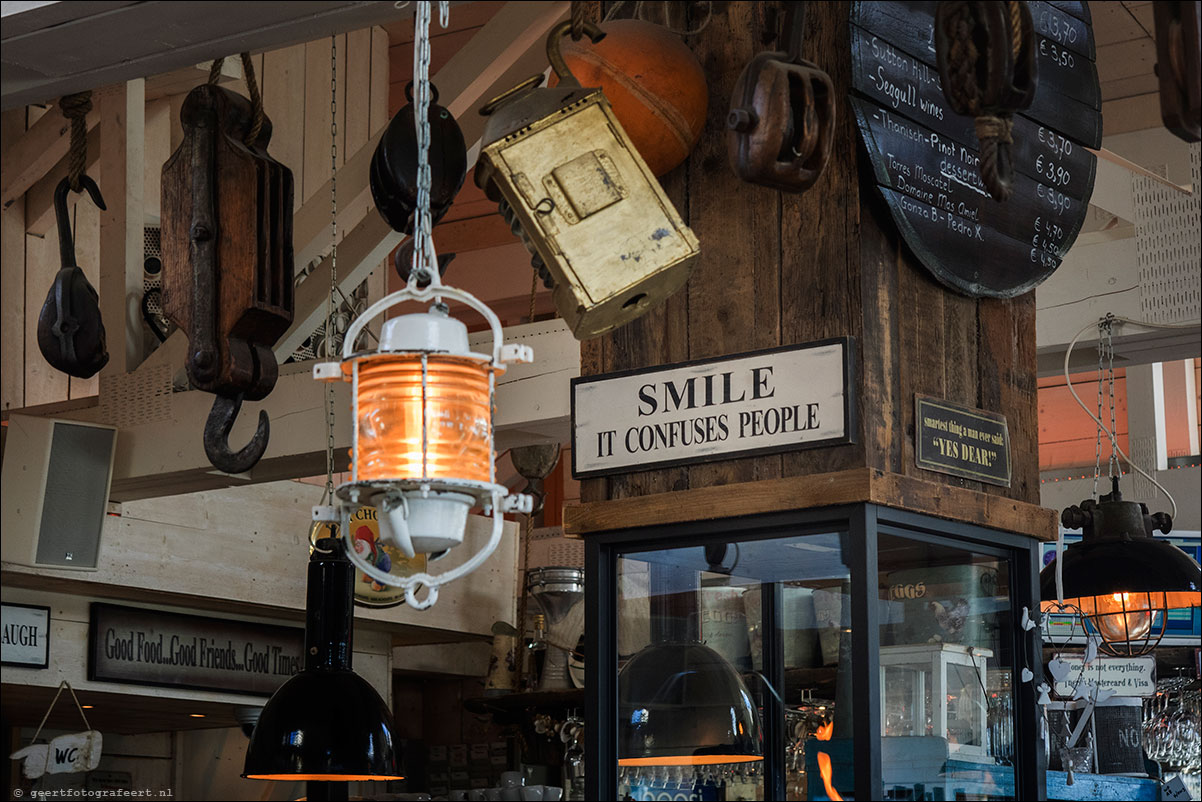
(855, 652)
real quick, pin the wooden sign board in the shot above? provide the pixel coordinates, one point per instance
(733, 406)
(961, 441)
(25, 631)
(925, 156)
(66, 754)
(151, 647)
(1126, 676)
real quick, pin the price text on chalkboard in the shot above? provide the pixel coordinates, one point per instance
(961, 441)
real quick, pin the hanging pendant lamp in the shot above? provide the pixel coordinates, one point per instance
(1119, 576)
(684, 704)
(326, 724)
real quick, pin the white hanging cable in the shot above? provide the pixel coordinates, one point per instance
(1102, 327)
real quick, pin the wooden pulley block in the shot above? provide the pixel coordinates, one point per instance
(781, 125)
(227, 259)
(1179, 66)
(985, 51)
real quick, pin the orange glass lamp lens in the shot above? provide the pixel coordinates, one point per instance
(458, 406)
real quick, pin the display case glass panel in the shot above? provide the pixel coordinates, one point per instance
(772, 614)
(947, 723)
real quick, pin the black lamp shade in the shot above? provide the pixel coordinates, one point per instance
(323, 725)
(1108, 566)
(684, 704)
(326, 724)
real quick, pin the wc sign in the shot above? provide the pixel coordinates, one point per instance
(66, 754)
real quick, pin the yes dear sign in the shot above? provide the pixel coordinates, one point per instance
(736, 406)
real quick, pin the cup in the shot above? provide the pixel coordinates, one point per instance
(512, 779)
(459, 795)
(532, 793)
(552, 793)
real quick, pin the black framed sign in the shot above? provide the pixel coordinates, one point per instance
(152, 647)
(26, 635)
(961, 441)
(740, 405)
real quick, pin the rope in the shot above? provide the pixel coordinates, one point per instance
(1016, 29)
(256, 99)
(578, 12)
(75, 108)
(252, 87)
(533, 290)
(54, 701)
(993, 128)
(642, 12)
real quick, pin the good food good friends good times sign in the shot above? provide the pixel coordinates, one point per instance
(734, 406)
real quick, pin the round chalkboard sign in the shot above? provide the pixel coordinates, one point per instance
(924, 155)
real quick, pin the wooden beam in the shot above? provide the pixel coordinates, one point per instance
(122, 145)
(855, 486)
(36, 152)
(163, 454)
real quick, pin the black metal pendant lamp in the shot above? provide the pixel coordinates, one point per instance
(326, 724)
(682, 703)
(1119, 576)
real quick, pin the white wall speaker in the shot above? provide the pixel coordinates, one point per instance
(55, 484)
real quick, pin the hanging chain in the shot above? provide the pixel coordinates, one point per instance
(1097, 460)
(1106, 388)
(424, 267)
(329, 338)
(1115, 468)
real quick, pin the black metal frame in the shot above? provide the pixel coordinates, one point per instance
(863, 523)
(45, 646)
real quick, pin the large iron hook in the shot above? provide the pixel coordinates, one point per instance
(66, 241)
(217, 431)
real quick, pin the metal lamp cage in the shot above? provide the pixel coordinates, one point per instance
(1130, 624)
(387, 493)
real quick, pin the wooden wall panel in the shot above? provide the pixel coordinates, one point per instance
(282, 82)
(12, 282)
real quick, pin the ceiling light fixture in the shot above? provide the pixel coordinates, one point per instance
(685, 704)
(326, 723)
(422, 450)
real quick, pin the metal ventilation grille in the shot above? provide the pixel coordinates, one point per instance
(549, 547)
(152, 284)
(353, 305)
(1168, 239)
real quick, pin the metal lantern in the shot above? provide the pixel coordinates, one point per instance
(1119, 576)
(573, 186)
(423, 451)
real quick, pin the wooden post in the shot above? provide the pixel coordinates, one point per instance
(781, 269)
(122, 145)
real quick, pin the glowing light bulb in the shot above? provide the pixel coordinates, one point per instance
(1121, 617)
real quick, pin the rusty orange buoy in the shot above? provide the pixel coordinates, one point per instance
(654, 83)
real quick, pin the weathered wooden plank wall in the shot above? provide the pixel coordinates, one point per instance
(779, 269)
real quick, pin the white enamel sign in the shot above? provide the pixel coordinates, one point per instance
(24, 635)
(765, 402)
